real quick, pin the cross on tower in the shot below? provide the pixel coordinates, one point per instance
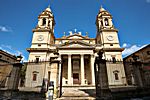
(75, 30)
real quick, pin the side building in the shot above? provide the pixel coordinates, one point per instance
(9, 70)
(142, 69)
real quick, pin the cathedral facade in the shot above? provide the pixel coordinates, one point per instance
(77, 54)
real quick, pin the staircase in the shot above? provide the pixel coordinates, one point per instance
(78, 93)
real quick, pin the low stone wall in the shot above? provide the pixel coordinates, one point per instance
(20, 95)
(131, 93)
(123, 93)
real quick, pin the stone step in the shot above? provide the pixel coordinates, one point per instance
(78, 93)
(76, 98)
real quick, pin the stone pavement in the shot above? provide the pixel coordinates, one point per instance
(78, 93)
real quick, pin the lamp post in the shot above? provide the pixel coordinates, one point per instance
(101, 77)
(53, 88)
(19, 58)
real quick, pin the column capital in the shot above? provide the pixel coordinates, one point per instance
(69, 54)
(92, 55)
(81, 54)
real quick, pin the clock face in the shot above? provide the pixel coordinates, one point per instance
(40, 38)
(110, 38)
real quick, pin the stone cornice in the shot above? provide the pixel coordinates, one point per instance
(76, 48)
(41, 30)
(113, 49)
(8, 55)
(75, 39)
(108, 30)
(76, 42)
(40, 49)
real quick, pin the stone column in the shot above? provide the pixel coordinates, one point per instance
(82, 70)
(69, 70)
(92, 70)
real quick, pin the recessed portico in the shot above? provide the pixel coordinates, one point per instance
(77, 68)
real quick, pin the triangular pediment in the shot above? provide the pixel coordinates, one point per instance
(76, 36)
(75, 44)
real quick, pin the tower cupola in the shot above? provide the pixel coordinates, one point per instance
(46, 20)
(104, 20)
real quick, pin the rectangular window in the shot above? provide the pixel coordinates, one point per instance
(34, 77)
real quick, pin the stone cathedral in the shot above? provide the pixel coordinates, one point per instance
(77, 54)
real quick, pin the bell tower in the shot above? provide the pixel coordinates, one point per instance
(41, 50)
(107, 41)
(43, 36)
(107, 35)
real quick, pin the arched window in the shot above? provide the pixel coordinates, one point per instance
(34, 76)
(44, 21)
(106, 22)
(116, 74)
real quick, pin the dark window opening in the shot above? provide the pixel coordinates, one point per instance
(111, 44)
(37, 60)
(106, 22)
(34, 77)
(39, 45)
(130, 60)
(49, 75)
(44, 22)
(148, 52)
(116, 76)
(48, 23)
(101, 23)
(114, 59)
(66, 82)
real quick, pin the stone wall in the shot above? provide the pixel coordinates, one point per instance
(21, 95)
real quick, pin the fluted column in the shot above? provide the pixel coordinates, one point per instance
(92, 70)
(82, 70)
(69, 70)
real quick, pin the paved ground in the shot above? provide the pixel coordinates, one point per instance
(78, 93)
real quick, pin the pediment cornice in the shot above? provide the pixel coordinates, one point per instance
(75, 44)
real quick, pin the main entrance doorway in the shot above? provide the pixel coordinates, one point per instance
(75, 78)
(76, 70)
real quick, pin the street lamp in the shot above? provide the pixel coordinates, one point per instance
(19, 58)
